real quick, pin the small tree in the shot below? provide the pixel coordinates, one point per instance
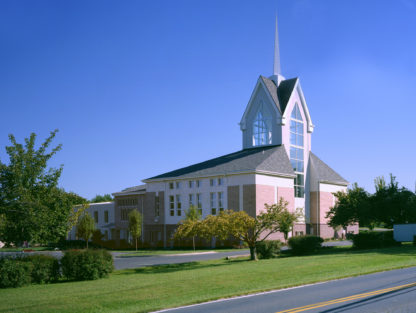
(85, 227)
(190, 226)
(287, 220)
(244, 227)
(135, 225)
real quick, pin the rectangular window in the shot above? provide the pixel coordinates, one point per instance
(96, 216)
(213, 203)
(171, 186)
(299, 186)
(157, 206)
(178, 184)
(172, 205)
(220, 181)
(212, 182)
(106, 235)
(178, 205)
(191, 184)
(221, 201)
(191, 199)
(198, 183)
(105, 216)
(199, 200)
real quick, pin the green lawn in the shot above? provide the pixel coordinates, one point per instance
(147, 289)
(129, 253)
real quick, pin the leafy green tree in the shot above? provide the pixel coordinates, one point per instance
(287, 220)
(102, 198)
(32, 205)
(190, 226)
(352, 206)
(135, 224)
(86, 227)
(244, 227)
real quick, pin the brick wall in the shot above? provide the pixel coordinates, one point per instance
(249, 199)
(233, 198)
(288, 194)
(264, 195)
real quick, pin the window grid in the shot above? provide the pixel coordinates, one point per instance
(260, 130)
(178, 205)
(213, 203)
(297, 151)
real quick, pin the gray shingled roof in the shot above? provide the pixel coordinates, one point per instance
(282, 94)
(324, 172)
(272, 89)
(286, 88)
(272, 159)
(132, 189)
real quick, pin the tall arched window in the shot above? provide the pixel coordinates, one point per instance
(260, 130)
(296, 150)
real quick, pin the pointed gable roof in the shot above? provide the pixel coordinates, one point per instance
(282, 94)
(324, 172)
(286, 88)
(266, 159)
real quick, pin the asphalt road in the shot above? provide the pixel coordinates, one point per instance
(385, 292)
(123, 262)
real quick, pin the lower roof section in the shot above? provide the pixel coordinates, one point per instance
(272, 160)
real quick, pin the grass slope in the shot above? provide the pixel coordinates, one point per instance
(152, 288)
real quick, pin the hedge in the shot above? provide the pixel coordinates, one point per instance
(86, 264)
(301, 245)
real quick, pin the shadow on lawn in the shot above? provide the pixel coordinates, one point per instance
(169, 268)
(404, 250)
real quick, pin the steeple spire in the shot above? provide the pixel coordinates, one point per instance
(276, 63)
(277, 71)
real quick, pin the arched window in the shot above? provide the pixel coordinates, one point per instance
(260, 131)
(297, 151)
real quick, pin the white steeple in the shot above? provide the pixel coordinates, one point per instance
(277, 74)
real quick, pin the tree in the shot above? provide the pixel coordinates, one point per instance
(135, 224)
(102, 198)
(86, 227)
(246, 228)
(32, 205)
(287, 220)
(190, 226)
(387, 206)
(352, 206)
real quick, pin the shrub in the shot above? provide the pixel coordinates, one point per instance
(373, 239)
(14, 272)
(268, 249)
(45, 268)
(301, 245)
(86, 264)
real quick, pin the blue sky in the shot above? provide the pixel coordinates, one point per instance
(138, 88)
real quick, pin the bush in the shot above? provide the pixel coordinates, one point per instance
(373, 239)
(86, 264)
(45, 268)
(302, 245)
(14, 272)
(268, 249)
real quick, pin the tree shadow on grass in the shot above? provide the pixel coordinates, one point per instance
(169, 268)
(403, 250)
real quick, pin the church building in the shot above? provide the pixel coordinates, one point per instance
(275, 162)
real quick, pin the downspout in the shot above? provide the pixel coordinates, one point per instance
(143, 220)
(318, 231)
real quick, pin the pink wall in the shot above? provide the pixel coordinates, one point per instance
(326, 201)
(288, 194)
(264, 194)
